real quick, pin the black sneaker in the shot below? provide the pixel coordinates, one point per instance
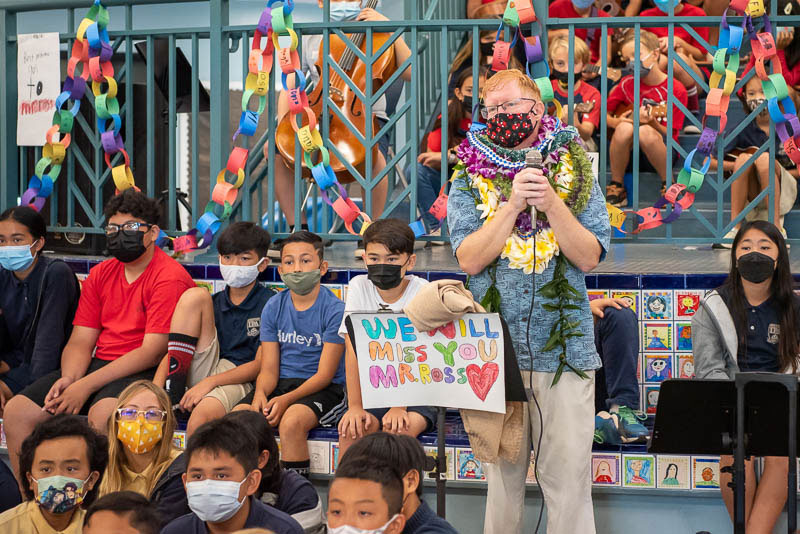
(274, 252)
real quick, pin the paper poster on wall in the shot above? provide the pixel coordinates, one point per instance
(38, 85)
(459, 365)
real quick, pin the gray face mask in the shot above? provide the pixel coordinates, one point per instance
(302, 283)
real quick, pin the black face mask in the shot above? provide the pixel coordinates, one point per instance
(385, 276)
(562, 77)
(126, 247)
(466, 104)
(487, 49)
(755, 267)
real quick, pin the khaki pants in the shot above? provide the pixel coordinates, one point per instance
(564, 470)
(206, 363)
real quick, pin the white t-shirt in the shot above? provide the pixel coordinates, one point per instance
(311, 48)
(363, 296)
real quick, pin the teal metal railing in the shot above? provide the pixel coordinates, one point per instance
(433, 29)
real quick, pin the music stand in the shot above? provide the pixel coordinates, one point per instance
(753, 415)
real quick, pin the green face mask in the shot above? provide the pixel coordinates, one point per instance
(302, 283)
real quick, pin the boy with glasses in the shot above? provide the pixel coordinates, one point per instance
(120, 328)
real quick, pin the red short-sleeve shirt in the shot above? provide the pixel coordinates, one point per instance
(125, 312)
(688, 11)
(584, 93)
(563, 9)
(622, 95)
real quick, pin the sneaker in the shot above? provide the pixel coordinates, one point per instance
(616, 194)
(730, 235)
(691, 129)
(606, 429)
(630, 428)
(437, 243)
(274, 252)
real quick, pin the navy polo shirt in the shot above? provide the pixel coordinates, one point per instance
(238, 327)
(762, 336)
(260, 516)
(424, 521)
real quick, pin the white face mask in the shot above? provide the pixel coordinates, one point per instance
(239, 275)
(347, 529)
(214, 500)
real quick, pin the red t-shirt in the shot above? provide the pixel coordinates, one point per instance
(584, 93)
(622, 95)
(688, 11)
(435, 137)
(563, 9)
(791, 74)
(125, 312)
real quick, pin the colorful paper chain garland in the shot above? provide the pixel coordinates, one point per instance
(91, 51)
(681, 195)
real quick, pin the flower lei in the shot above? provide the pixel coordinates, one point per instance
(488, 171)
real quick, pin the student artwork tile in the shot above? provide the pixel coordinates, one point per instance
(705, 472)
(275, 286)
(674, 472)
(651, 399)
(530, 478)
(684, 367)
(336, 289)
(3, 443)
(450, 455)
(630, 295)
(455, 366)
(657, 336)
(468, 467)
(639, 367)
(686, 302)
(219, 285)
(207, 284)
(683, 336)
(334, 456)
(657, 304)
(319, 455)
(179, 439)
(638, 470)
(657, 367)
(595, 294)
(605, 470)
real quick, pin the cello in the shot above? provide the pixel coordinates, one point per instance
(348, 103)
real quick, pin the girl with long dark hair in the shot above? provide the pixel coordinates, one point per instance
(38, 298)
(750, 323)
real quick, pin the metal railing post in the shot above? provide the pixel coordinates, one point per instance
(9, 153)
(220, 87)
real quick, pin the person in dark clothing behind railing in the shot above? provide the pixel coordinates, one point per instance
(38, 298)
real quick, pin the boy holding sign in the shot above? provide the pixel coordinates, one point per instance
(389, 255)
(301, 382)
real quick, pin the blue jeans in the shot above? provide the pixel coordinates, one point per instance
(429, 182)
(616, 337)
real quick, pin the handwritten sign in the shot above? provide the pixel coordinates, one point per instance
(38, 85)
(459, 365)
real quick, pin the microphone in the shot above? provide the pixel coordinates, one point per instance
(533, 160)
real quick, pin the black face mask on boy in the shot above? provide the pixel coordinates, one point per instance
(385, 276)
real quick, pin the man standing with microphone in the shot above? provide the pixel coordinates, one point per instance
(529, 264)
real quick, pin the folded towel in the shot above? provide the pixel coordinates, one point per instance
(439, 303)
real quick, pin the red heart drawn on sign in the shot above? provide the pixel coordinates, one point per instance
(481, 379)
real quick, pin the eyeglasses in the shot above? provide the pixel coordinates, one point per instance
(130, 227)
(132, 414)
(490, 111)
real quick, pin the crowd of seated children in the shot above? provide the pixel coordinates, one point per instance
(221, 479)
(142, 457)
(120, 328)
(216, 337)
(62, 460)
(301, 381)
(755, 175)
(429, 163)
(406, 455)
(38, 298)
(340, 10)
(653, 93)
(120, 512)
(586, 99)
(387, 286)
(281, 488)
(573, 9)
(464, 59)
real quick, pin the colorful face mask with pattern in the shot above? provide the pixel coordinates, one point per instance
(140, 436)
